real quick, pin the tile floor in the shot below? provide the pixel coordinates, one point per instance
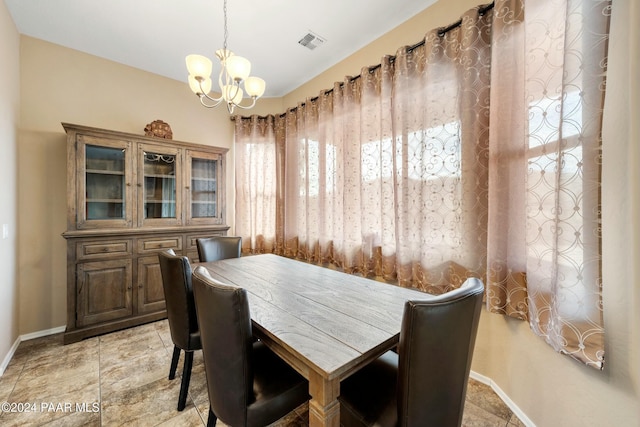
(121, 379)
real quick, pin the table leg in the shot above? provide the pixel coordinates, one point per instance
(324, 408)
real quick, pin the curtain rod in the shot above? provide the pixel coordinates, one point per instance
(481, 11)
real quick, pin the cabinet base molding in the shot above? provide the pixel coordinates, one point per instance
(75, 335)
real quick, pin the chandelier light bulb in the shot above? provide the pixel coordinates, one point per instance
(199, 66)
(254, 86)
(232, 94)
(199, 85)
(238, 68)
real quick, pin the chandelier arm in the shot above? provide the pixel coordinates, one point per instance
(204, 104)
(246, 107)
(236, 86)
(202, 95)
(211, 98)
(223, 77)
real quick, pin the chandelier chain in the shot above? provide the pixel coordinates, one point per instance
(226, 29)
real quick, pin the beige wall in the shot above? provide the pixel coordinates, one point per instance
(60, 84)
(9, 117)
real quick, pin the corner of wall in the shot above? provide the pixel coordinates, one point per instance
(9, 124)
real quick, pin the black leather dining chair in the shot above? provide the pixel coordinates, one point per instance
(181, 312)
(248, 384)
(425, 382)
(219, 247)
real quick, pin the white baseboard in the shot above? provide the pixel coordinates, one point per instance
(510, 403)
(39, 334)
(27, 337)
(9, 356)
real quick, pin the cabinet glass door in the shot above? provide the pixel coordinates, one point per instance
(105, 183)
(204, 185)
(160, 203)
(204, 172)
(159, 185)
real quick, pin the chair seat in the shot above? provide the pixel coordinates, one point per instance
(368, 397)
(277, 388)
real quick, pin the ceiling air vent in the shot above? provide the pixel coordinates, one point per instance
(311, 41)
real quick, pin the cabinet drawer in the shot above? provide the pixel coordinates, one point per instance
(156, 244)
(104, 249)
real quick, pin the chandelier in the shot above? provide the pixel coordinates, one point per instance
(233, 75)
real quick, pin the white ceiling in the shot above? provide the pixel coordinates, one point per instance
(156, 35)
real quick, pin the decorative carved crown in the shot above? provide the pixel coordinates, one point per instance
(159, 129)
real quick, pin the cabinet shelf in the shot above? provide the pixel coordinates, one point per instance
(159, 175)
(105, 172)
(119, 201)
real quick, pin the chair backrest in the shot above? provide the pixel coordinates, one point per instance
(219, 247)
(225, 333)
(178, 296)
(435, 351)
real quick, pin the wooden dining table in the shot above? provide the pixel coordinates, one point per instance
(324, 323)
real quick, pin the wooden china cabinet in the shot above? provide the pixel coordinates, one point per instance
(129, 197)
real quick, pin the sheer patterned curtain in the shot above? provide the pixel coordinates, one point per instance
(548, 86)
(259, 195)
(378, 181)
(474, 153)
